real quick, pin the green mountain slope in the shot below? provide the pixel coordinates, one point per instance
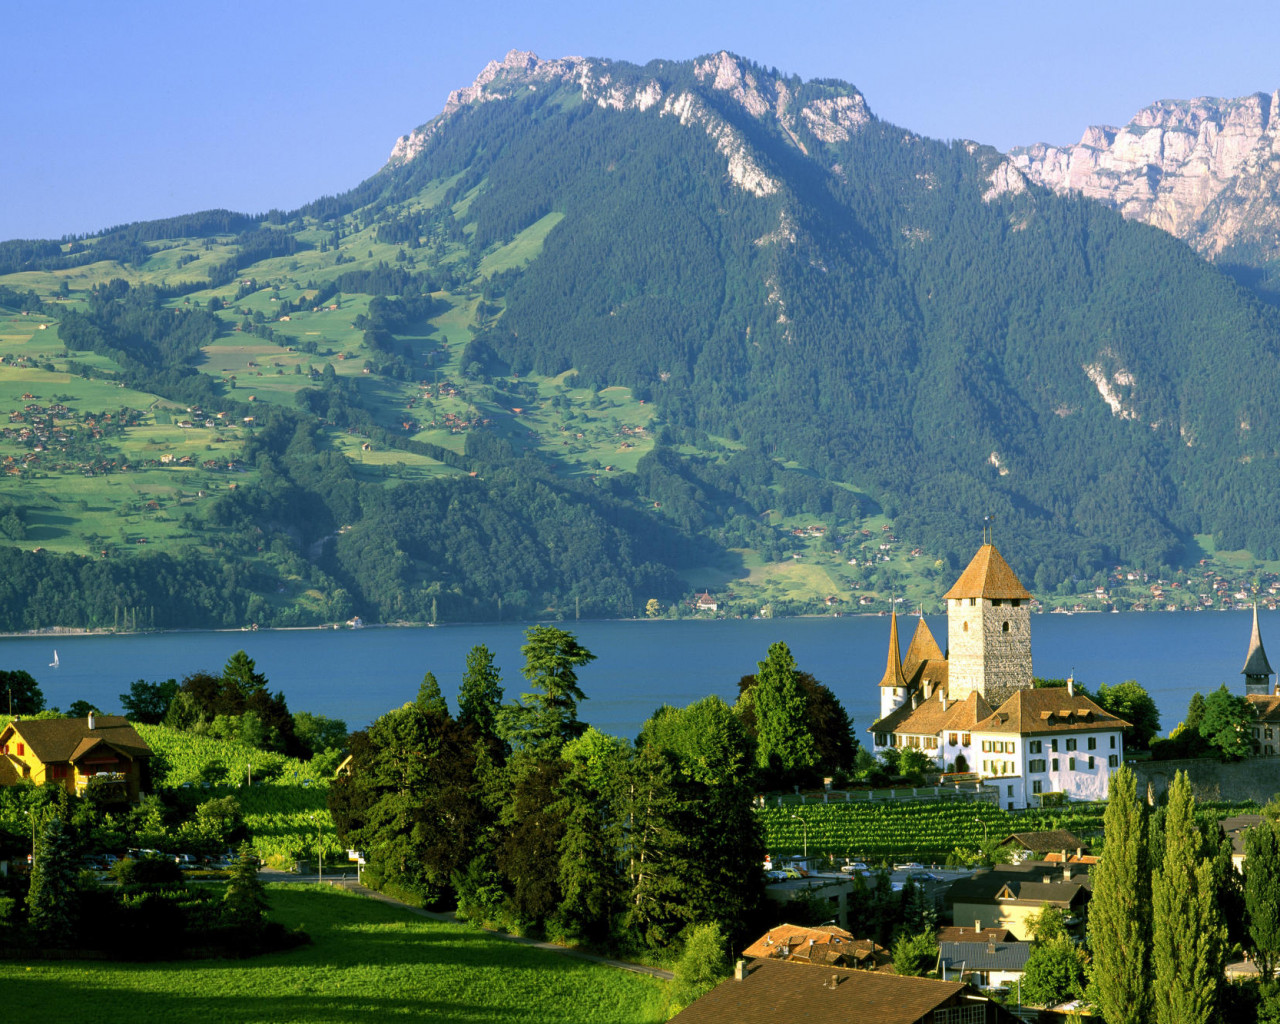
(601, 334)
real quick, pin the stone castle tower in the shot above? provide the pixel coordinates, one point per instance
(1257, 670)
(988, 631)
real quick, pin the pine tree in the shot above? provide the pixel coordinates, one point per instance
(783, 741)
(1120, 909)
(430, 698)
(244, 905)
(547, 716)
(1188, 938)
(480, 695)
(1262, 894)
(52, 899)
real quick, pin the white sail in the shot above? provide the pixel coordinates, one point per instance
(54, 663)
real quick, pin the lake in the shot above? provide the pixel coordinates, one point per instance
(356, 675)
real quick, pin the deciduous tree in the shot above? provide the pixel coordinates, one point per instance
(1262, 894)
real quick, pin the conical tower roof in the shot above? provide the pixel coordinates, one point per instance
(1255, 662)
(989, 576)
(923, 647)
(893, 670)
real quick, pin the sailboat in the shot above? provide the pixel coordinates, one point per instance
(54, 663)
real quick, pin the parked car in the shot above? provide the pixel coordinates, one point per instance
(856, 865)
(924, 876)
(910, 865)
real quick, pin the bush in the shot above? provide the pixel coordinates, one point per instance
(151, 871)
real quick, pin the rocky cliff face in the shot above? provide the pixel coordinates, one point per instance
(760, 95)
(1206, 170)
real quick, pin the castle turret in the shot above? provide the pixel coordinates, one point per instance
(1257, 670)
(988, 631)
(893, 686)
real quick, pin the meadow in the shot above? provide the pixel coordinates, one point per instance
(368, 963)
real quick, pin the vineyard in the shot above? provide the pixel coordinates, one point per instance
(929, 831)
(284, 807)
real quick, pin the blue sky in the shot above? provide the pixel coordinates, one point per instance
(117, 111)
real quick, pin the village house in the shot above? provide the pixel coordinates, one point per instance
(1262, 697)
(1008, 894)
(984, 964)
(974, 709)
(779, 990)
(823, 944)
(104, 751)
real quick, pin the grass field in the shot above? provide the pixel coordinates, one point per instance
(369, 963)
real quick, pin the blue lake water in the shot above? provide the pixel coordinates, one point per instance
(356, 675)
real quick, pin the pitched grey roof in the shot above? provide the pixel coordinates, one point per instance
(983, 956)
(1255, 662)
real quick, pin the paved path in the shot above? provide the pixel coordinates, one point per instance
(351, 886)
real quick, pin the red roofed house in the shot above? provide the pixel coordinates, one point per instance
(103, 750)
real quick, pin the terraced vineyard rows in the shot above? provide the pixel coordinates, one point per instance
(284, 809)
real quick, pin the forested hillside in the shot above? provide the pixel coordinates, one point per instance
(600, 336)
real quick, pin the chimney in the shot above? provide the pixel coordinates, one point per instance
(977, 927)
(91, 721)
(739, 970)
(1071, 685)
(835, 980)
(1047, 879)
(991, 947)
(1066, 872)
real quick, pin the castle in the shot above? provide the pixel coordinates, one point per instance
(974, 708)
(1264, 701)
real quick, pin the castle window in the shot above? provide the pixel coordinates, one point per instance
(1036, 765)
(1016, 602)
(1071, 743)
(964, 627)
(1035, 786)
(972, 601)
(951, 738)
(1004, 628)
(1071, 764)
(1113, 761)
(1034, 746)
(1093, 742)
(1090, 764)
(1113, 743)
(964, 740)
(1053, 745)
(1054, 766)
(996, 602)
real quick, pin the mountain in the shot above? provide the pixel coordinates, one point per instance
(1205, 170)
(600, 334)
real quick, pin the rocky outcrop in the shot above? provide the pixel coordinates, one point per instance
(830, 117)
(1206, 170)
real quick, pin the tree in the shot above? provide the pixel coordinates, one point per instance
(1226, 724)
(1262, 894)
(244, 904)
(480, 695)
(704, 962)
(652, 608)
(1048, 924)
(548, 715)
(82, 709)
(710, 741)
(1187, 933)
(784, 745)
(915, 954)
(147, 702)
(52, 899)
(318, 733)
(20, 691)
(1130, 701)
(241, 673)
(430, 699)
(825, 718)
(1055, 972)
(1120, 909)
(1195, 711)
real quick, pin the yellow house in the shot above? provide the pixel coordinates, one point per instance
(1008, 894)
(103, 750)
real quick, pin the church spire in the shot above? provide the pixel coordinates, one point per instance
(893, 670)
(1257, 670)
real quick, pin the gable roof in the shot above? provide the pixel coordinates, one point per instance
(1255, 662)
(952, 933)
(775, 990)
(1266, 706)
(1047, 841)
(893, 669)
(989, 576)
(1049, 709)
(984, 956)
(1023, 884)
(933, 716)
(54, 740)
(824, 944)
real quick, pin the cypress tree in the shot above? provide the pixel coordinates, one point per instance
(480, 695)
(1262, 894)
(1120, 910)
(1188, 937)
